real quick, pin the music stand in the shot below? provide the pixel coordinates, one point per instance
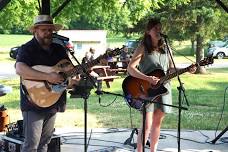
(83, 90)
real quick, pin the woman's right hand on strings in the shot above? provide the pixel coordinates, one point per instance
(153, 80)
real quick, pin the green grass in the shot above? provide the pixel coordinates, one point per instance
(116, 42)
(179, 48)
(8, 41)
(205, 94)
(5, 57)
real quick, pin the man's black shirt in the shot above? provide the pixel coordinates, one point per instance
(33, 54)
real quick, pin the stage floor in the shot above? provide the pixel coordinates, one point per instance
(113, 139)
(119, 140)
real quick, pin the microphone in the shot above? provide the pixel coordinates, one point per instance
(60, 37)
(163, 35)
(99, 89)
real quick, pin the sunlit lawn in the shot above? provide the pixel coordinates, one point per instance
(205, 94)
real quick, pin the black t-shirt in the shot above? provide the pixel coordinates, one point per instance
(33, 54)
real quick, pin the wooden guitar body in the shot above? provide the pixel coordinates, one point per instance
(41, 93)
(136, 89)
(44, 94)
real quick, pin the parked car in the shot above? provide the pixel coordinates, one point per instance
(13, 52)
(131, 45)
(67, 44)
(218, 52)
(217, 43)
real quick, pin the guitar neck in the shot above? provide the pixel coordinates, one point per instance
(80, 68)
(205, 61)
(174, 74)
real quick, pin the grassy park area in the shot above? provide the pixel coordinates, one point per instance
(206, 94)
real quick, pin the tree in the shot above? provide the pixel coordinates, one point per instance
(201, 18)
(113, 15)
(196, 20)
(16, 16)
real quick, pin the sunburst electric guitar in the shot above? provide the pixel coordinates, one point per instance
(134, 88)
(44, 94)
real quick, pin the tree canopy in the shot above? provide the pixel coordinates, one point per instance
(180, 18)
(196, 20)
(112, 15)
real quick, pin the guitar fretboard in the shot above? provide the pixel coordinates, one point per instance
(78, 69)
(172, 75)
(206, 61)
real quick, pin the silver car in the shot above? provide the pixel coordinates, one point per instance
(218, 52)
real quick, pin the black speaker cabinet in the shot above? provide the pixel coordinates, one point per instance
(14, 144)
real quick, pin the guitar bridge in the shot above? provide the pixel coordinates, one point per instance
(59, 88)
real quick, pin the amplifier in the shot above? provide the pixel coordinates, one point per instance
(14, 144)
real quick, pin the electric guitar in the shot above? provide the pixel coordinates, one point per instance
(44, 94)
(134, 88)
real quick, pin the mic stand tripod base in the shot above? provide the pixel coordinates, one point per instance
(128, 141)
(220, 135)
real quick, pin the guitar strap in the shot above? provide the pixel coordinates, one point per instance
(24, 90)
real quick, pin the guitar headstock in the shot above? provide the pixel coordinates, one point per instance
(108, 54)
(114, 52)
(206, 61)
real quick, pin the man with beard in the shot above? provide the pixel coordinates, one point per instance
(38, 122)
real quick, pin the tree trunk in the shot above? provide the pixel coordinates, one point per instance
(199, 54)
(193, 47)
(199, 46)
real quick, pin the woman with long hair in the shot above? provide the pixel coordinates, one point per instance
(152, 54)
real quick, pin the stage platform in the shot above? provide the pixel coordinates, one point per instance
(119, 140)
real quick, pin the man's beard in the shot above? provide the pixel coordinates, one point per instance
(46, 41)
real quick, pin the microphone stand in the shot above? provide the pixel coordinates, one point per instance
(180, 91)
(85, 95)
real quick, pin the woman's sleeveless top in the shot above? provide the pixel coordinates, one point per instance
(156, 60)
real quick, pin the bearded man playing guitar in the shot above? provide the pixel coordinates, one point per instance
(45, 71)
(38, 122)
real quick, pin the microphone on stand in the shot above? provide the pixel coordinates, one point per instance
(163, 35)
(60, 37)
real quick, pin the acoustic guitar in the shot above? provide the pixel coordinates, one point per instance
(136, 89)
(44, 94)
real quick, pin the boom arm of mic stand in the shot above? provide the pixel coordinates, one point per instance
(145, 100)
